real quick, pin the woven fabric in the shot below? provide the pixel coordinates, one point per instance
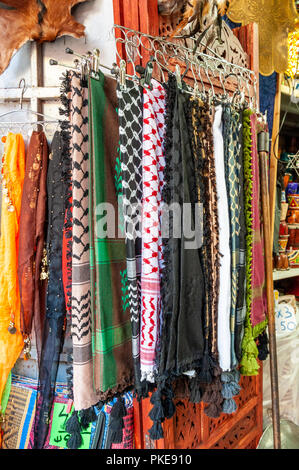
(111, 325)
(241, 299)
(259, 302)
(13, 171)
(248, 363)
(53, 337)
(83, 393)
(224, 304)
(32, 230)
(153, 163)
(234, 214)
(130, 129)
(19, 417)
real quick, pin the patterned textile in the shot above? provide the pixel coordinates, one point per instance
(58, 187)
(111, 326)
(233, 168)
(182, 341)
(19, 417)
(241, 299)
(84, 395)
(20, 413)
(13, 171)
(153, 163)
(224, 304)
(130, 130)
(32, 229)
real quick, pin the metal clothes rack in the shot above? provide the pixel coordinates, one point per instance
(139, 47)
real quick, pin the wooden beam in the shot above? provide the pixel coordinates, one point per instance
(41, 93)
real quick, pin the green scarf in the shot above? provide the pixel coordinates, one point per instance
(111, 328)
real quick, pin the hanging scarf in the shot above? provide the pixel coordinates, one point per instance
(31, 242)
(13, 171)
(207, 385)
(111, 326)
(130, 130)
(224, 304)
(153, 163)
(182, 341)
(249, 364)
(58, 186)
(84, 395)
(241, 299)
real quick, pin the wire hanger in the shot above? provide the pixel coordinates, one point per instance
(47, 119)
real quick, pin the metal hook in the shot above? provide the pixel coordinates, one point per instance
(23, 91)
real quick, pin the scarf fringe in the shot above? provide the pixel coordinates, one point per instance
(116, 424)
(73, 427)
(230, 388)
(262, 346)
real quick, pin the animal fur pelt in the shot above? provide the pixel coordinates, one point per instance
(35, 20)
(197, 13)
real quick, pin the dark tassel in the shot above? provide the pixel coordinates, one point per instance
(207, 366)
(157, 415)
(168, 405)
(116, 423)
(74, 441)
(195, 390)
(73, 428)
(118, 410)
(156, 431)
(87, 416)
(212, 410)
(263, 346)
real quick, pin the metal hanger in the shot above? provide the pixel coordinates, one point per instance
(48, 119)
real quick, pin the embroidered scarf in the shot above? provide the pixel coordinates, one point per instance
(111, 326)
(130, 103)
(153, 163)
(32, 238)
(13, 171)
(53, 337)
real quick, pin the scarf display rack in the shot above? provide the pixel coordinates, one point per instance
(167, 55)
(142, 60)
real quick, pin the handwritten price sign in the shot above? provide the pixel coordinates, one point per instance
(285, 319)
(59, 436)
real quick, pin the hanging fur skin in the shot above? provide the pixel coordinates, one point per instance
(34, 20)
(195, 12)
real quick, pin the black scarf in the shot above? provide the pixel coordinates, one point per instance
(182, 341)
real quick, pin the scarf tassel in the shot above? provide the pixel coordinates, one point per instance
(230, 388)
(73, 427)
(263, 346)
(157, 415)
(87, 416)
(168, 404)
(249, 365)
(207, 367)
(116, 425)
(212, 395)
(195, 390)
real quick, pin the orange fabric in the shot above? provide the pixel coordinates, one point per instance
(11, 345)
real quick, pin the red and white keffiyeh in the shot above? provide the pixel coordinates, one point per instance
(153, 163)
